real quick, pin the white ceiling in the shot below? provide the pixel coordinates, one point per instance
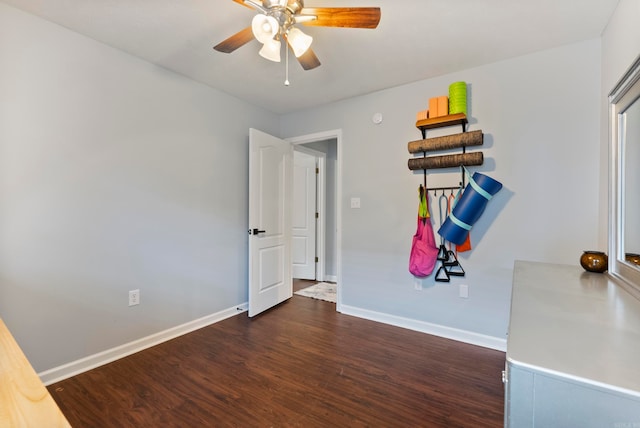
(416, 40)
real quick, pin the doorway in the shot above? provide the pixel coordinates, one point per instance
(327, 147)
(308, 219)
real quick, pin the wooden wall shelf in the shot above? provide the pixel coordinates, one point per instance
(439, 122)
(463, 140)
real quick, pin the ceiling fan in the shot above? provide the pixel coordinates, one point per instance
(277, 20)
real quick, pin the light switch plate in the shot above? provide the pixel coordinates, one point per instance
(464, 291)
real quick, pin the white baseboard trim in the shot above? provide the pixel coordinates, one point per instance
(472, 338)
(331, 278)
(73, 368)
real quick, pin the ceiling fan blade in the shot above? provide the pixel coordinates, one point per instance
(309, 60)
(244, 4)
(239, 39)
(352, 17)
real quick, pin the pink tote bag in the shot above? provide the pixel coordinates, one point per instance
(424, 252)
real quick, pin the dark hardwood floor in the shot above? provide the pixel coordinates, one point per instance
(300, 364)
(299, 284)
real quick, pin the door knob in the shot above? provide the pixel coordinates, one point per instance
(256, 231)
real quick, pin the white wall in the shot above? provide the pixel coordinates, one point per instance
(114, 175)
(540, 117)
(620, 42)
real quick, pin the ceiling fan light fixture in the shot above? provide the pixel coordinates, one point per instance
(275, 3)
(264, 28)
(299, 41)
(276, 20)
(271, 50)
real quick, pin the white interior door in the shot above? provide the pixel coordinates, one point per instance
(270, 212)
(304, 216)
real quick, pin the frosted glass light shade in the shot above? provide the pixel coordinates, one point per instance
(271, 50)
(298, 41)
(264, 27)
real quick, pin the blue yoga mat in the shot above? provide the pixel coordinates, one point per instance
(469, 208)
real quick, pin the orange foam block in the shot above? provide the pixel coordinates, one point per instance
(443, 105)
(433, 107)
(422, 115)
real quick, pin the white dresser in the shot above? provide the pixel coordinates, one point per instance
(573, 350)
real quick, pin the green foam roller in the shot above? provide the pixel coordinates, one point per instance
(458, 98)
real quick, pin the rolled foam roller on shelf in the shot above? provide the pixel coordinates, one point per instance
(464, 139)
(458, 98)
(446, 161)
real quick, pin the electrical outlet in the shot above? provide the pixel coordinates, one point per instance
(355, 202)
(417, 284)
(134, 297)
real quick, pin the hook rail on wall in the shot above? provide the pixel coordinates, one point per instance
(435, 190)
(462, 140)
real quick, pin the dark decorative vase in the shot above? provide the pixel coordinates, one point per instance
(594, 261)
(633, 258)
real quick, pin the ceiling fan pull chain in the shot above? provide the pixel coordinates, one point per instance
(286, 72)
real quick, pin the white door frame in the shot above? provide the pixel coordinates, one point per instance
(321, 224)
(322, 136)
